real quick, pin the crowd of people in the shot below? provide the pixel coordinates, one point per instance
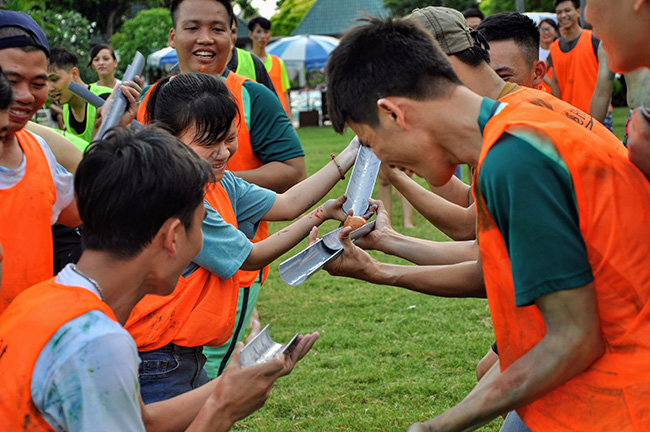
(131, 263)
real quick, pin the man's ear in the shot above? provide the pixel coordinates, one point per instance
(172, 36)
(167, 235)
(540, 72)
(75, 73)
(638, 4)
(392, 111)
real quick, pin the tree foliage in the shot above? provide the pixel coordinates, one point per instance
(147, 32)
(405, 7)
(108, 14)
(490, 7)
(289, 15)
(70, 30)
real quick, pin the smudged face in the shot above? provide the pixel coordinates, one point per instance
(260, 35)
(57, 81)
(202, 36)
(27, 74)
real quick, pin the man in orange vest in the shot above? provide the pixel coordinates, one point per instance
(35, 191)
(64, 348)
(623, 28)
(573, 57)
(571, 321)
(259, 30)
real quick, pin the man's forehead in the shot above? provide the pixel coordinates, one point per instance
(11, 67)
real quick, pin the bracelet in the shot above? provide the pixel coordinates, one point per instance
(338, 166)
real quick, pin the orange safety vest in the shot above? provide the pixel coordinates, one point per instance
(547, 100)
(202, 308)
(576, 71)
(244, 159)
(27, 325)
(276, 77)
(26, 229)
(614, 212)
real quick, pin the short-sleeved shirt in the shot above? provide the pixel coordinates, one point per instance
(225, 248)
(530, 195)
(86, 376)
(273, 137)
(63, 180)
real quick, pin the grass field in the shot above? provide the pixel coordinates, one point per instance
(387, 357)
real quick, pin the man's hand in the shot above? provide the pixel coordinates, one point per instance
(333, 208)
(132, 91)
(383, 229)
(353, 262)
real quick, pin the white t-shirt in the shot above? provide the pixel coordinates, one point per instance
(86, 376)
(543, 53)
(63, 180)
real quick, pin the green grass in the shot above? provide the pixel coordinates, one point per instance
(387, 357)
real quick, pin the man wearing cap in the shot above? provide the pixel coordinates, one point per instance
(35, 191)
(571, 321)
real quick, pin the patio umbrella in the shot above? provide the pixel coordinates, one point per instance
(160, 58)
(310, 50)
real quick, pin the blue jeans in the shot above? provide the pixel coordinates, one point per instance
(170, 371)
(514, 423)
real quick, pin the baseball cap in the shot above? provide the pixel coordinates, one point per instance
(448, 26)
(25, 22)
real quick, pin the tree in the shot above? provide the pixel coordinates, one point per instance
(108, 14)
(70, 30)
(289, 15)
(405, 7)
(147, 32)
(490, 7)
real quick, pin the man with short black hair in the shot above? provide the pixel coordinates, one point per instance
(247, 64)
(571, 322)
(78, 115)
(65, 351)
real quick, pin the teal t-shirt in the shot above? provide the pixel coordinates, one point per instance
(530, 195)
(225, 248)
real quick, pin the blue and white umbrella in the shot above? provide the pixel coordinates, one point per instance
(310, 50)
(160, 58)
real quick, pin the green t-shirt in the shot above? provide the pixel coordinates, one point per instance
(530, 195)
(84, 129)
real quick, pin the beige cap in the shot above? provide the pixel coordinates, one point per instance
(448, 26)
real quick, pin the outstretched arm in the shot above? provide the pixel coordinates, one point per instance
(573, 341)
(266, 251)
(277, 175)
(463, 279)
(458, 222)
(233, 396)
(299, 198)
(66, 153)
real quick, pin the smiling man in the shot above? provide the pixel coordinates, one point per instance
(573, 57)
(572, 321)
(78, 115)
(35, 191)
